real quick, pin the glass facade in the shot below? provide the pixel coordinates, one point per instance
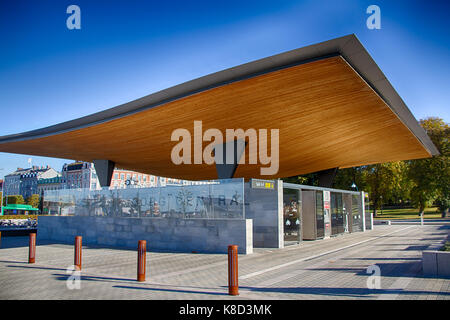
(357, 222)
(337, 213)
(217, 199)
(292, 217)
(326, 212)
(320, 223)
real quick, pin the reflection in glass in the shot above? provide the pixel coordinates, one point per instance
(291, 213)
(218, 199)
(320, 222)
(337, 213)
(356, 213)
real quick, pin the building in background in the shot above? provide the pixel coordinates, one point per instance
(49, 184)
(12, 182)
(123, 178)
(79, 175)
(28, 184)
(82, 175)
(24, 181)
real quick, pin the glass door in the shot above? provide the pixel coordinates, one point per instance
(292, 216)
(320, 223)
(337, 213)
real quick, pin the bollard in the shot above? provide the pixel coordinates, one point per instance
(32, 248)
(78, 247)
(0, 239)
(142, 249)
(233, 286)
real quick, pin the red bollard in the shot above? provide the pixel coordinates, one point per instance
(32, 248)
(77, 258)
(142, 250)
(233, 286)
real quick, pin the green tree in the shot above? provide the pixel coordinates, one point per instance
(307, 179)
(15, 199)
(400, 188)
(431, 176)
(33, 200)
(348, 177)
(382, 181)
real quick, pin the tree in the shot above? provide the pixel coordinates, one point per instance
(431, 176)
(382, 181)
(400, 188)
(33, 200)
(347, 177)
(15, 199)
(306, 179)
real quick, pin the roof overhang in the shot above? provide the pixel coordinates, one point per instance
(332, 104)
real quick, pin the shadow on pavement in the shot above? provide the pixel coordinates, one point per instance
(342, 292)
(141, 285)
(415, 259)
(174, 290)
(34, 267)
(395, 270)
(64, 277)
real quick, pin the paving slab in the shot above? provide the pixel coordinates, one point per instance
(335, 268)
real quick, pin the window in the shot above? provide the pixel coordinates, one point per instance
(116, 176)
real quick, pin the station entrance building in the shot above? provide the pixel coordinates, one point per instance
(204, 217)
(331, 106)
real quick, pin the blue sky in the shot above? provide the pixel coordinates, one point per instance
(129, 49)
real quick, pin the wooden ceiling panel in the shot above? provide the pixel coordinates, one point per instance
(327, 117)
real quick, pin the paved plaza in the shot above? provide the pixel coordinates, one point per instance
(334, 268)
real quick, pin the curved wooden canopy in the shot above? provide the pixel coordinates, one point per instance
(331, 103)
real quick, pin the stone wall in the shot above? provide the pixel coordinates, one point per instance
(182, 235)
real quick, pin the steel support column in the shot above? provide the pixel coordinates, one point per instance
(104, 169)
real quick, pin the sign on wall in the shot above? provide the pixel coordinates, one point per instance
(262, 184)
